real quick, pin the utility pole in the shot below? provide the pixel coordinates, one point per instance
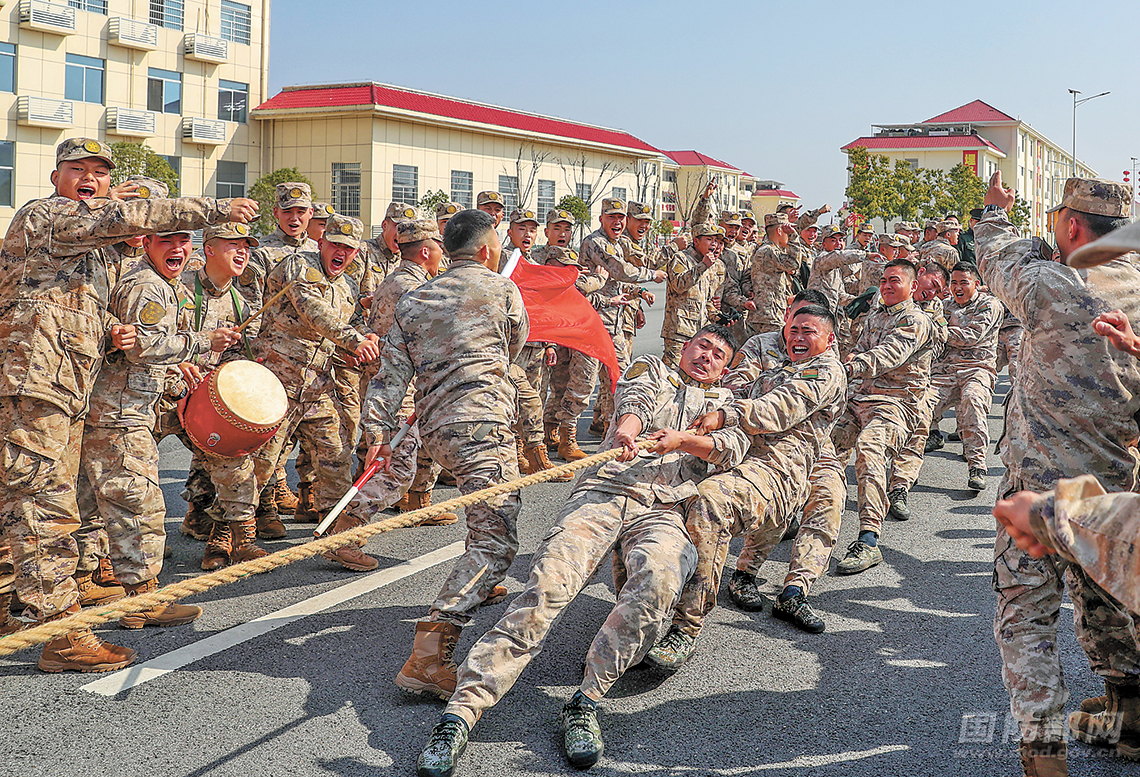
(1076, 102)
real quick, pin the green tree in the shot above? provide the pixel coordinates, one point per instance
(913, 191)
(138, 159)
(1021, 214)
(664, 227)
(265, 192)
(964, 190)
(871, 191)
(431, 200)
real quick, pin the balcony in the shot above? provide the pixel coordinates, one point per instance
(205, 48)
(47, 17)
(205, 131)
(133, 123)
(132, 34)
(44, 112)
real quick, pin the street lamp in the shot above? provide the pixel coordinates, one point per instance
(1076, 102)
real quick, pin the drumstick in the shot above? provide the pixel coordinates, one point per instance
(264, 307)
(371, 470)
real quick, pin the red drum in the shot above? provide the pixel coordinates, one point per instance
(235, 410)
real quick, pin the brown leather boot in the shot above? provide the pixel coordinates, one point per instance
(538, 460)
(1095, 704)
(105, 574)
(91, 594)
(568, 449)
(307, 508)
(269, 526)
(217, 553)
(551, 434)
(8, 624)
(498, 594)
(350, 556)
(524, 463)
(430, 668)
(598, 425)
(196, 524)
(402, 505)
(160, 615)
(1044, 759)
(82, 651)
(244, 548)
(1117, 725)
(283, 496)
(420, 499)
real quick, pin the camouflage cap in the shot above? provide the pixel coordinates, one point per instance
(489, 196)
(401, 211)
(83, 148)
(784, 207)
(730, 218)
(904, 243)
(775, 219)
(521, 215)
(565, 256)
(149, 188)
(230, 230)
(639, 210)
(345, 230)
(889, 239)
(747, 215)
(1111, 246)
(556, 215)
(446, 210)
(948, 226)
(612, 206)
(831, 230)
(322, 210)
(293, 194)
(708, 228)
(901, 227)
(1097, 196)
(413, 231)
(931, 224)
(866, 228)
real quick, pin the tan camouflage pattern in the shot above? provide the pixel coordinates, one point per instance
(771, 270)
(598, 253)
(272, 249)
(832, 272)
(74, 149)
(293, 194)
(908, 462)
(939, 250)
(691, 283)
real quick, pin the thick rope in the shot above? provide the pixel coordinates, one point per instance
(49, 630)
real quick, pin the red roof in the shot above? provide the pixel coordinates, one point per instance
(447, 107)
(775, 193)
(974, 112)
(924, 141)
(687, 158)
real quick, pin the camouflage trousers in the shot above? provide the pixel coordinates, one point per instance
(908, 462)
(572, 381)
(823, 515)
(1009, 343)
(659, 558)
(876, 429)
(39, 466)
(426, 470)
(315, 422)
(411, 469)
(1029, 595)
(529, 425)
(479, 455)
(120, 498)
(746, 499)
(970, 391)
(346, 390)
(604, 407)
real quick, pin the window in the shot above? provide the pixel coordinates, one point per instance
(231, 179)
(346, 188)
(236, 22)
(7, 67)
(7, 170)
(546, 201)
(509, 188)
(84, 79)
(405, 184)
(618, 193)
(164, 91)
(670, 176)
(462, 185)
(94, 6)
(233, 101)
(166, 13)
(582, 191)
(912, 162)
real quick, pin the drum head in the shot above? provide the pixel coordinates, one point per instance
(252, 392)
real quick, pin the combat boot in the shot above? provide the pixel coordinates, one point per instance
(673, 650)
(161, 614)
(898, 506)
(551, 434)
(796, 611)
(598, 425)
(744, 592)
(306, 511)
(934, 441)
(568, 449)
(1096, 704)
(1044, 759)
(524, 464)
(977, 479)
(82, 651)
(268, 523)
(283, 496)
(445, 478)
(349, 556)
(447, 743)
(402, 506)
(105, 574)
(430, 668)
(581, 733)
(244, 547)
(1117, 725)
(417, 500)
(498, 594)
(8, 624)
(860, 556)
(196, 524)
(91, 594)
(538, 460)
(218, 546)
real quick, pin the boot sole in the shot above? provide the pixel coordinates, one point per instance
(347, 565)
(439, 520)
(853, 571)
(148, 622)
(265, 535)
(585, 761)
(746, 606)
(417, 688)
(200, 537)
(64, 666)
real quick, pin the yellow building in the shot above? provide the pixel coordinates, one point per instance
(985, 139)
(364, 145)
(687, 173)
(178, 75)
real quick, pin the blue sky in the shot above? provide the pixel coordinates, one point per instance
(773, 88)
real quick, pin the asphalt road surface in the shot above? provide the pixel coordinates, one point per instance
(290, 673)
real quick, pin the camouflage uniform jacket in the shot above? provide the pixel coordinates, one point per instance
(216, 311)
(130, 257)
(379, 261)
(129, 383)
(940, 251)
(654, 259)
(892, 355)
(971, 335)
(808, 218)
(831, 273)
(407, 276)
(56, 273)
(732, 292)
(265, 258)
(691, 284)
(663, 398)
(457, 335)
(598, 251)
(1072, 409)
(772, 269)
(935, 310)
(302, 330)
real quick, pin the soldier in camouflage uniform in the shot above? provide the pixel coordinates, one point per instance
(942, 248)
(789, 410)
(772, 265)
(55, 281)
(493, 204)
(319, 220)
(835, 272)
(692, 279)
(734, 293)
(634, 505)
(1071, 411)
(457, 335)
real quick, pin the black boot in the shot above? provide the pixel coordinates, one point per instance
(744, 593)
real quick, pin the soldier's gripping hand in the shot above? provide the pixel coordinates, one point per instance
(1013, 513)
(367, 351)
(1117, 329)
(191, 374)
(243, 210)
(998, 195)
(222, 338)
(382, 452)
(709, 422)
(127, 190)
(668, 440)
(659, 276)
(123, 336)
(625, 436)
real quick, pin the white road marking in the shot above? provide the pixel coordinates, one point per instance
(915, 663)
(134, 676)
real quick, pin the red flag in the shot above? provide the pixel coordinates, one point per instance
(560, 314)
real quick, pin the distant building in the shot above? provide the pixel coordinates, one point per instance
(687, 173)
(985, 139)
(770, 195)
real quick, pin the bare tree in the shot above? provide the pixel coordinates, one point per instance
(527, 171)
(647, 182)
(574, 171)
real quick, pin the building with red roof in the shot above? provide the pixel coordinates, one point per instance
(686, 174)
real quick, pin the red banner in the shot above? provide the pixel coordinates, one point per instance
(970, 160)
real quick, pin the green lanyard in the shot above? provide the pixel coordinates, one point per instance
(200, 311)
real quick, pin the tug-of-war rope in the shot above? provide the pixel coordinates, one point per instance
(96, 616)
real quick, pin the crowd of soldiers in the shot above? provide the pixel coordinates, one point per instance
(784, 350)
